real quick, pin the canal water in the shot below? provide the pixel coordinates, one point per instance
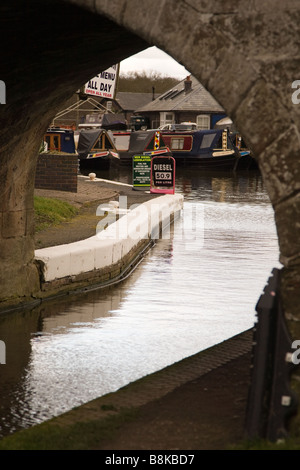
(197, 287)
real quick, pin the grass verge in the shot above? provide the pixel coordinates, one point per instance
(50, 211)
(78, 436)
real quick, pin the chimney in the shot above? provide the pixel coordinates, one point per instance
(153, 93)
(188, 84)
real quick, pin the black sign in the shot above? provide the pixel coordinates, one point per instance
(141, 171)
(163, 172)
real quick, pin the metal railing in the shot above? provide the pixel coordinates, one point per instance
(270, 401)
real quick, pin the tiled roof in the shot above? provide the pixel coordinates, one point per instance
(132, 101)
(176, 99)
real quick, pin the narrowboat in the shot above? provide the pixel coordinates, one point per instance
(96, 149)
(58, 139)
(144, 143)
(208, 149)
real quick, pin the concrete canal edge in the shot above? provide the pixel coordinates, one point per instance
(101, 420)
(111, 254)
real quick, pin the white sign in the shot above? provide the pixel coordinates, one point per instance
(2, 353)
(2, 92)
(104, 84)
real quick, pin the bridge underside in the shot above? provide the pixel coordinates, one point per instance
(245, 53)
(52, 49)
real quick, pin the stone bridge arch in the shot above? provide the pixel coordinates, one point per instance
(246, 53)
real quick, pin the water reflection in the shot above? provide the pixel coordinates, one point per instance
(221, 187)
(193, 290)
(203, 185)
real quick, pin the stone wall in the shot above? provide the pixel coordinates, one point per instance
(245, 53)
(54, 54)
(57, 172)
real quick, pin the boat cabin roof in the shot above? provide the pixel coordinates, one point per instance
(195, 141)
(90, 139)
(143, 141)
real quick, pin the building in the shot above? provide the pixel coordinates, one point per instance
(83, 110)
(188, 101)
(127, 103)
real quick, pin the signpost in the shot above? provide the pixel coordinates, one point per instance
(104, 84)
(162, 175)
(141, 165)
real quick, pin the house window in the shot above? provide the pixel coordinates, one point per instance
(166, 118)
(203, 121)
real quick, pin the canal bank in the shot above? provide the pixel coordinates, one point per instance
(125, 230)
(78, 255)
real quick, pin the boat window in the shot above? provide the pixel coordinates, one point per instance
(103, 143)
(98, 144)
(177, 144)
(207, 140)
(53, 142)
(107, 143)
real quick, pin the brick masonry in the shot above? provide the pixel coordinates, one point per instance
(57, 172)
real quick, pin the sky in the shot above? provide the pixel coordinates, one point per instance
(153, 59)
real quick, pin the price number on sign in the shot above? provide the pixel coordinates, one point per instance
(163, 176)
